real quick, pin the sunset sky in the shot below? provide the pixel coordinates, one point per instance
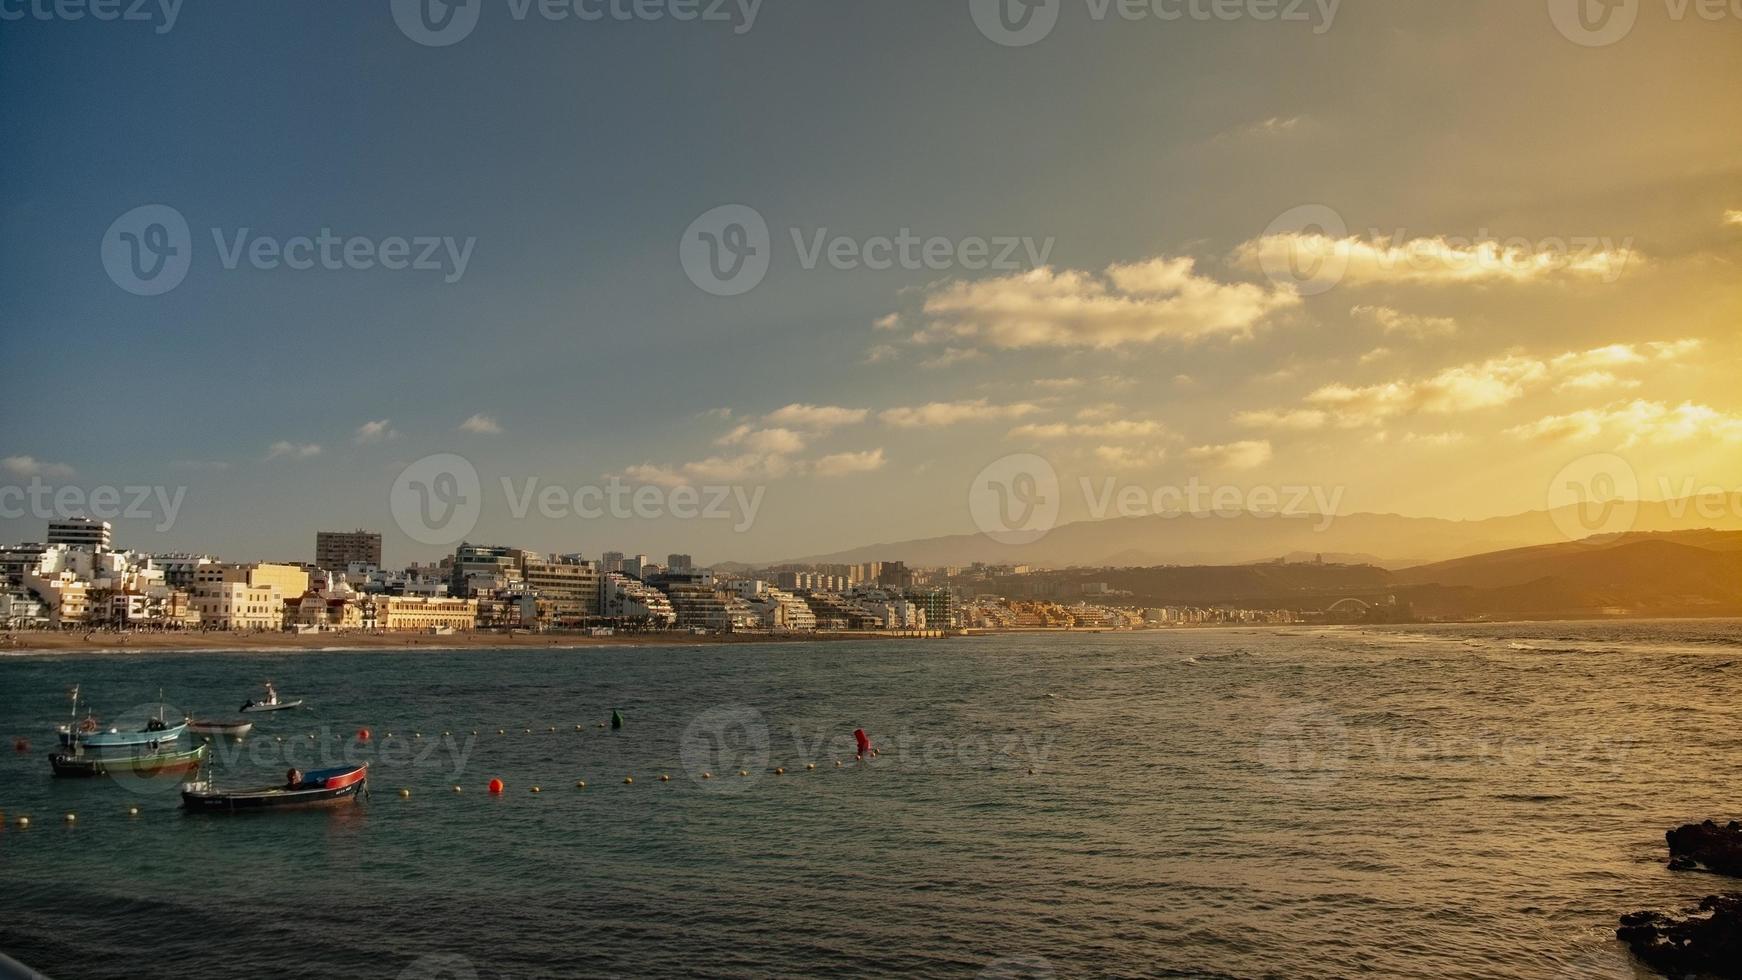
(1526, 250)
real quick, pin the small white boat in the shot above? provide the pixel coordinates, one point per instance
(228, 729)
(271, 702)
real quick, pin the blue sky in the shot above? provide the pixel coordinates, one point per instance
(576, 154)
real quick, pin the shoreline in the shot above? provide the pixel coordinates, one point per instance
(50, 644)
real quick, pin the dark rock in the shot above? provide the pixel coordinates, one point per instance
(1702, 942)
(1717, 848)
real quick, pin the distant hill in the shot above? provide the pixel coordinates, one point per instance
(1236, 538)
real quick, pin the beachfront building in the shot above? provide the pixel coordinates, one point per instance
(774, 609)
(629, 600)
(338, 550)
(239, 606)
(483, 570)
(420, 614)
(81, 532)
(564, 591)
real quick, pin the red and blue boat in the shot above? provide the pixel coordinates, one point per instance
(300, 790)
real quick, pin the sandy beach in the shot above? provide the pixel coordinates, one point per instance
(23, 643)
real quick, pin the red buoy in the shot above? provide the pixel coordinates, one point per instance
(21, 745)
(362, 734)
(496, 786)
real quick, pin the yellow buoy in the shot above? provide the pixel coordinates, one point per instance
(23, 821)
(280, 738)
(458, 790)
(779, 771)
(529, 731)
(133, 811)
(405, 794)
(311, 736)
(535, 789)
(707, 775)
(577, 728)
(389, 734)
(664, 778)
(837, 763)
(72, 817)
(810, 765)
(553, 728)
(580, 784)
(445, 734)
(416, 734)
(474, 731)
(628, 779)
(743, 772)
(501, 731)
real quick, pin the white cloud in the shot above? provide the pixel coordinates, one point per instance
(481, 424)
(950, 356)
(879, 353)
(1438, 260)
(1409, 324)
(1058, 384)
(1126, 458)
(1596, 381)
(379, 430)
(292, 450)
(715, 469)
(208, 465)
(31, 466)
(1733, 217)
(937, 414)
(1491, 383)
(1376, 354)
(844, 464)
(1246, 455)
(774, 442)
(1120, 429)
(817, 418)
(1297, 420)
(1140, 303)
(1635, 422)
(1438, 440)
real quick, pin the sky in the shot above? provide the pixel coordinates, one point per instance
(841, 260)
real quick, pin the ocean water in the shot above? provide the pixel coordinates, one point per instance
(1412, 801)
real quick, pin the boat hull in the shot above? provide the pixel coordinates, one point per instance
(158, 764)
(280, 706)
(328, 788)
(104, 741)
(228, 729)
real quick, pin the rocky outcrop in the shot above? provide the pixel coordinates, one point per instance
(1707, 845)
(1702, 942)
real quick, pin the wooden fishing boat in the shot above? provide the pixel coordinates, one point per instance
(173, 761)
(322, 787)
(88, 734)
(227, 729)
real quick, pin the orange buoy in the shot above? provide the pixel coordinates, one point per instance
(362, 734)
(496, 786)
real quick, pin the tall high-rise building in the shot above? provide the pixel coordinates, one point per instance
(611, 561)
(335, 550)
(678, 563)
(80, 532)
